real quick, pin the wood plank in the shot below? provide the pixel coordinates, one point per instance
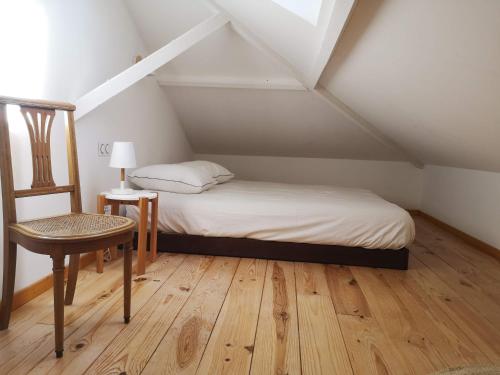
(39, 338)
(371, 351)
(485, 336)
(143, 235)
(89, 298)
(181, 349)
(37, 103)
(42, 301)
(474, 294)
(474, 242)
(28, 315)
(153, 243)
(277, 340)
(428, 318)
(397, 323)
(459, 255)
(438, 331)
(93, 336)
(131, 350)
(32, 291)
(25, 193)
(321, 344)
(99, 263)
(230, 348)
(347, 296)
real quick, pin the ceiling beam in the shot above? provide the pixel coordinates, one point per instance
(364, 125)
(230, 82)
(127, 78)
(341, 12)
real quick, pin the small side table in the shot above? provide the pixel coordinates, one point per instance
(140, 199)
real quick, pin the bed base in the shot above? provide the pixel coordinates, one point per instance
(289, 251)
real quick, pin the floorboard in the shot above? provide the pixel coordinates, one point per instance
(87, 343)
(131, 350)
(277, 348)
(181, 348)
(322, 346)
(231, 345)
(215, 315)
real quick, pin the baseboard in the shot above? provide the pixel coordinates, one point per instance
(414, 212)
(34, 290)
(473, 241)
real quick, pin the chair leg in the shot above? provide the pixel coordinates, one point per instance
(99, 261)
(58, 275)
(9, 277)
(127, 280)
(74, 265)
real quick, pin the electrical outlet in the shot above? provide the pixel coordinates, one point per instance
(103, 149)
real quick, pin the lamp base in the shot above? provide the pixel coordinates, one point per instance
(122, 191)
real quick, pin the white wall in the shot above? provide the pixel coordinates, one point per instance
(83, 43)
(398, 182)
(466, 199)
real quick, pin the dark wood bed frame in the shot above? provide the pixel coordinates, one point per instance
(290, 251)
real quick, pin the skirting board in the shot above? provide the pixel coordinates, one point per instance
(289, 251)
(473, 241)
(34, 290)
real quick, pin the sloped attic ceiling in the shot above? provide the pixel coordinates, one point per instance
(427, 74)
(241, 121)
(270, 122)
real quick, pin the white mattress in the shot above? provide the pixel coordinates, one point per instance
(289, 213)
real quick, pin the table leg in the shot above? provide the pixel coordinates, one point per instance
(153, 242)
(101, 202)
(115, 210)
(143, 236)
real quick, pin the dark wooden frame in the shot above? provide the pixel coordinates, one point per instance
(290, 251)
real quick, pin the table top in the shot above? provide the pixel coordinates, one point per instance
(130, 197)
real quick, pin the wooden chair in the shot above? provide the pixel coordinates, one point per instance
(70, 234)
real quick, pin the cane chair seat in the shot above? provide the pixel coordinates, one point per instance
(74, 226)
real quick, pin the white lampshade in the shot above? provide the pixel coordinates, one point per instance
(123, 155)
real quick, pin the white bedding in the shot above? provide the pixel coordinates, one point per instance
(289, 213)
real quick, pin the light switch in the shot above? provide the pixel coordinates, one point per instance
(104, 149)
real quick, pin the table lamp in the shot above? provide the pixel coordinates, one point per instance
(122, 156)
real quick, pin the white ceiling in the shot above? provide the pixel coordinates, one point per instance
(297, 40)
(290, 36)
(425, 73)
(160, 21)
(306, 9)
(224, 54)
(270, 122)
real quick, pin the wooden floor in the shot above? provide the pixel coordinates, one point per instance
(205, 315)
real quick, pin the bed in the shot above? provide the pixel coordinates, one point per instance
(284, 221)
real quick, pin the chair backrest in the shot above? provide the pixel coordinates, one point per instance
(39, 116)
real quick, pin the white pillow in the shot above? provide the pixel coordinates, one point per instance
(174, 178)
(217, 171)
